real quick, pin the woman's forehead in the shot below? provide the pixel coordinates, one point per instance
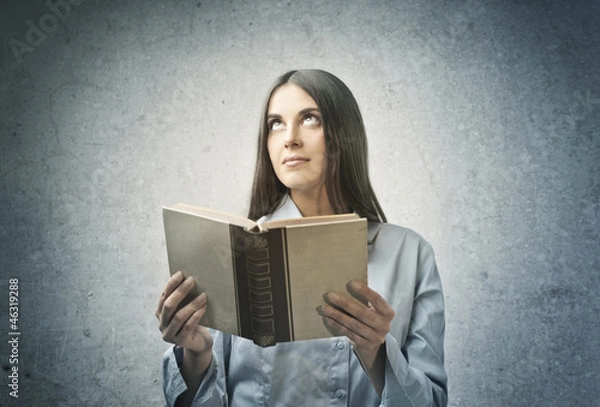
(290, 99)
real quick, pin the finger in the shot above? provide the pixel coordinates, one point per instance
(343, 302)
(171, 285)
(196, 308)
(345, 324)
(173, 302)
(190, 325)
(355, 309)
(194, 336)
(173, 328)
(366, 295)
(339, 329)
(356, 292)
(192, 322)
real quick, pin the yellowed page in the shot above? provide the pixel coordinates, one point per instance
(214, 214)
(274, 224)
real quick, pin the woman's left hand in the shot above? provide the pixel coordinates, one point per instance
(365, 320)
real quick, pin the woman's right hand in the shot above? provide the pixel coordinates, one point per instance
(180, 325)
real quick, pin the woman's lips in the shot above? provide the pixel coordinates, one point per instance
(294, 161)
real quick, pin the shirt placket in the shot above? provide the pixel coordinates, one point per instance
(338, 376)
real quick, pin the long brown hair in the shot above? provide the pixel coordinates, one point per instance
(347, 182)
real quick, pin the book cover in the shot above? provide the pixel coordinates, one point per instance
(263, 282)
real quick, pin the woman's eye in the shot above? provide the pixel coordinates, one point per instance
(311, 120)
(275, 124)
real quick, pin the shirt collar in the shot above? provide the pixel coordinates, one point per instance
(287, 209)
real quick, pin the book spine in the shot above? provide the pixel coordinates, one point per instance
(261, 277)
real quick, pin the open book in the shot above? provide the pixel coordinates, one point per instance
(264, 282)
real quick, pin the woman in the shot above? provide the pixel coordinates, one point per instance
(312, 160)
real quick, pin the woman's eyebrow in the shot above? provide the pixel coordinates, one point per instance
(300, 113)
(309, 110)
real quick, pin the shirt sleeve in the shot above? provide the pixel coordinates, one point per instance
(415, 373)
(212, 391)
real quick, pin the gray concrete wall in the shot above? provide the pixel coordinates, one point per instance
(483, 121)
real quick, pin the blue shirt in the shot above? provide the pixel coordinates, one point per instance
(326, 372)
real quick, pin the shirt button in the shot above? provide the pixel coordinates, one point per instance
(340, 345)
(338, 394)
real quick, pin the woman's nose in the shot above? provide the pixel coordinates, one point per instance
(292, 137)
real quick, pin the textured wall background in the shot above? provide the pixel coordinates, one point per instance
(483, 120)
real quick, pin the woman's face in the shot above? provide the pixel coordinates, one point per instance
(296, 140)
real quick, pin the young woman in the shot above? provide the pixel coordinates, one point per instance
(312, 160)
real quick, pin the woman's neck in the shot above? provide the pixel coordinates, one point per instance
(312, 203)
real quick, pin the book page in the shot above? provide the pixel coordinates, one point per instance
(274, 224)
(214, 214)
